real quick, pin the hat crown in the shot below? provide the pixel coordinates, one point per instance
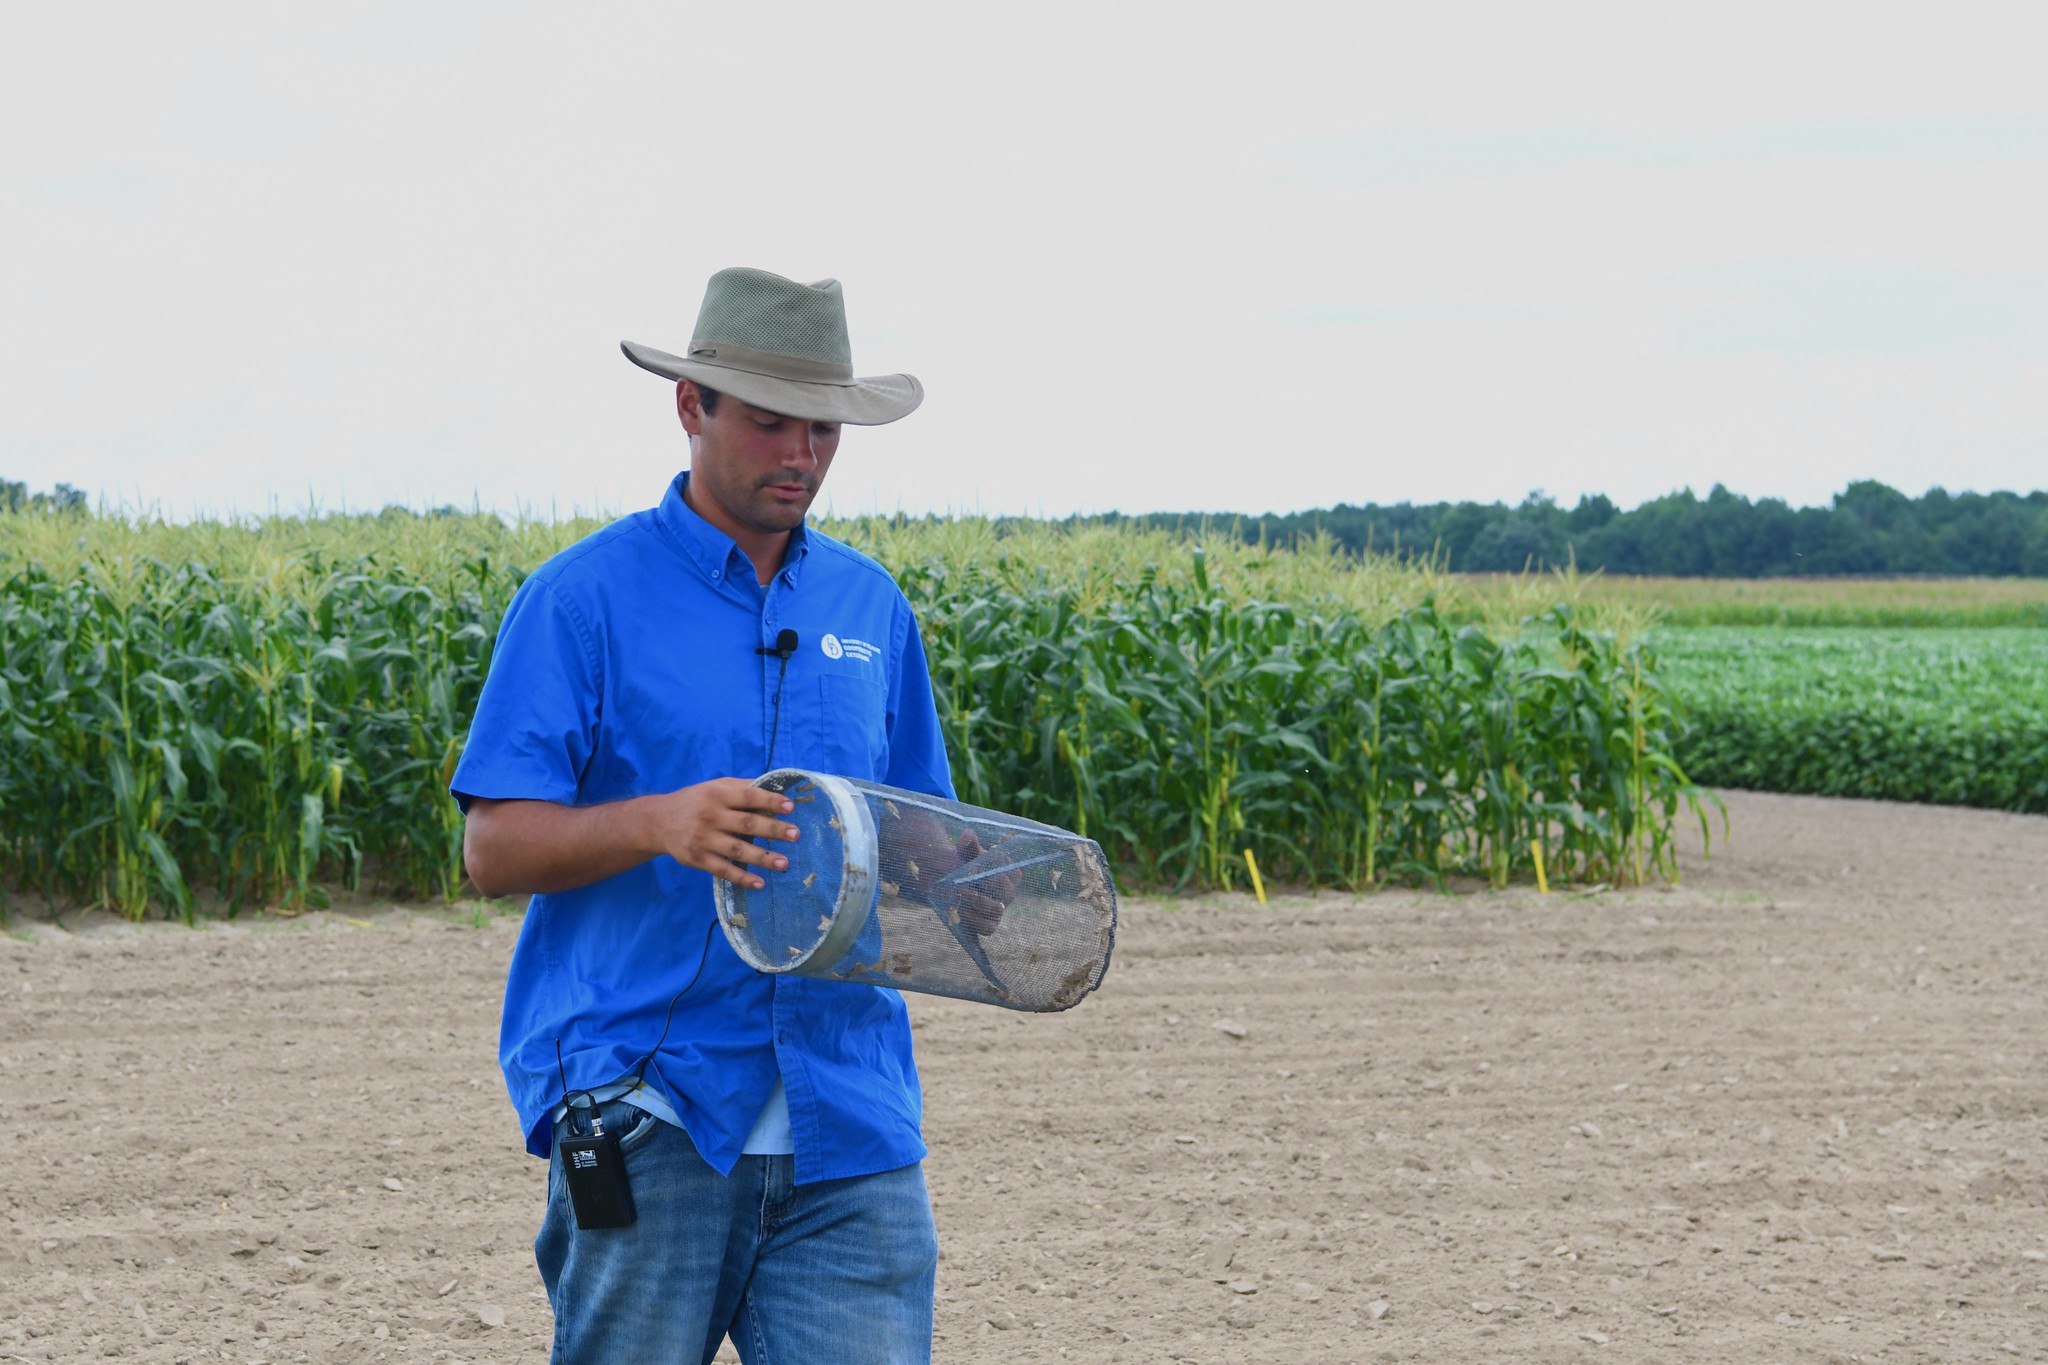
(765, 312)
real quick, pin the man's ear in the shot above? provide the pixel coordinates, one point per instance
(690, 407)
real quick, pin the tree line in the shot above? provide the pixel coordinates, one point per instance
(15, 497)
(1868, 528)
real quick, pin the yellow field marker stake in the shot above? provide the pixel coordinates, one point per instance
(1542, 882)
(1258, 887)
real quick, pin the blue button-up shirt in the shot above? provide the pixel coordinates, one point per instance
(626, 666)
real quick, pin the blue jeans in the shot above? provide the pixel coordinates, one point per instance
(840, 1270)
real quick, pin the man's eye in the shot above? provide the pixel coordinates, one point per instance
(768, 426)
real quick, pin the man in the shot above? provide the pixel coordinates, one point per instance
(769, 1125)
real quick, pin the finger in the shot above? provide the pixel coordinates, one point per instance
(758, 827)
(978, 912)
(970, 845)
(726, 872)
(742, 795)
(980, 902)
(746, 851)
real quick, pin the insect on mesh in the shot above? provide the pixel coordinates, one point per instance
(896, 888)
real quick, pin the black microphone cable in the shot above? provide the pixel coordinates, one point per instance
(639, 1072)
(785, 645)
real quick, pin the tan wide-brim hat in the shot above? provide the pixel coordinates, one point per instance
(781, 345)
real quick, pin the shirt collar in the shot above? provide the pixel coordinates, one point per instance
(712, 550)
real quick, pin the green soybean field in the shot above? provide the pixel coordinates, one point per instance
(1955, 717)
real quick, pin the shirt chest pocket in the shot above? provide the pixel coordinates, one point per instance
(855, 716)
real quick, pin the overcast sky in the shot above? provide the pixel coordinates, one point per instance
(1144, 257)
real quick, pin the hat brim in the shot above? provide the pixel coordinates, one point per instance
(869, 402)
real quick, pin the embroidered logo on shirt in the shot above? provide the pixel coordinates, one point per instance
(860, 650)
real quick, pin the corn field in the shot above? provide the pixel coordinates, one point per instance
(1179, 725)
(224, 715)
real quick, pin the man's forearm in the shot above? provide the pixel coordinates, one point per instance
(540, 847)
(520, 847)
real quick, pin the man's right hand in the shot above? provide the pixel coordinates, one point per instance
(712, 827)
(525, 847)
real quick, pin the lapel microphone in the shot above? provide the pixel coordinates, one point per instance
(785, 645)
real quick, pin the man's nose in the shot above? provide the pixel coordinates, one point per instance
(802, 447)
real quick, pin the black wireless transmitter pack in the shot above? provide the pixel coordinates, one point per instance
(594, 1167)
(596, 1173)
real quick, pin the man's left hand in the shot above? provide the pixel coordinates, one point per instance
(917, 856)
(981, 902)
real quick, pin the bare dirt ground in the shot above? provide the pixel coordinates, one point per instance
(1793, 1110)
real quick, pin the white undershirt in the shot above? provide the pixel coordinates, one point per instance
(771, 1135)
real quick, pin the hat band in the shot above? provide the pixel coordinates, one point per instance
(726, 355)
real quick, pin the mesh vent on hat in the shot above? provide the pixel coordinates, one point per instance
(769, 313)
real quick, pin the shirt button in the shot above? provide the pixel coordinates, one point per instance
(718, 573)
(781, 1036)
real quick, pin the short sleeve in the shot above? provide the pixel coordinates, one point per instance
(536, 723)
(917, 747)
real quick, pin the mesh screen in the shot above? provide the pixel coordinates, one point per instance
(758, 309)
(788, 923)
(896, 888)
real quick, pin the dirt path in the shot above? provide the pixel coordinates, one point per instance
(1794, 1110)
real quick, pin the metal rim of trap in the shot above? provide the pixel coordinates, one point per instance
(835, 806)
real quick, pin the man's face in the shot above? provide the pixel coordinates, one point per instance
(761, 470)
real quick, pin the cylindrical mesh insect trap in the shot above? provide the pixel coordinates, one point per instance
(896, 888)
